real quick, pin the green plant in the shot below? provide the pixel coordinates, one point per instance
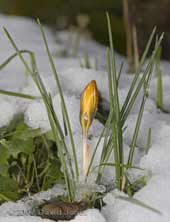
(28, 160)
(159, 95)
(118, 115)
(70, 176)
(159, 92)
(115, 123)
(149, 141)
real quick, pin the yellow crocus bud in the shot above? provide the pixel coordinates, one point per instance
(88, 105)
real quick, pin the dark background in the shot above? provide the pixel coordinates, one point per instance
(62, 13)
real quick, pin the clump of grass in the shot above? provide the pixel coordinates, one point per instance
(118, 115)
(57, 131)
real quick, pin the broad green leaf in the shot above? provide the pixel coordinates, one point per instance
(8, 196)
(4, 169)
(11, 126)
(24, 146)
(50, 136)
(7, 184)
(23, 132)
(4, 154)
(8, 189)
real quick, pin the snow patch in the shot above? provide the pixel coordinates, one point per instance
(7, 112)
(90, 215)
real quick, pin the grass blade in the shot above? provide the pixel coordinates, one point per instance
(7, 61)
(62, 99)
(99, 140)
(139, 86)
(18, 51)
(123, 165)
(116, 126)
(139, 203)
(139, 119)
(149, 138)
(52, 118)
(57, 132)
(159, 95)
(138, 72)
(120, 72)
(16, 94)
(113, 70)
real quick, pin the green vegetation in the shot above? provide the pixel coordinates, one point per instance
(159, 91)
(118, 115)
(159, 96)
(28, 161)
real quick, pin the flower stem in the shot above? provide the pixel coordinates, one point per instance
(86, 154)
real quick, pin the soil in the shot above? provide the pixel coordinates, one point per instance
(59, 210)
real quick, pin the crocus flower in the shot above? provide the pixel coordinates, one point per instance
(88, 105)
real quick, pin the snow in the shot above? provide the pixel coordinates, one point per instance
(113, 206)
(20, 30)
(25, 206)
(22, 209)
(155, 195)
(35, 120)
(73, 79)
(77, 44)
(13, 84)
(23, 219)
(79, 77)
(148, 121)
(7, 112)
(158, 159)
(166, 91)
(31, 88)
(90, 215)
(109, 171)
